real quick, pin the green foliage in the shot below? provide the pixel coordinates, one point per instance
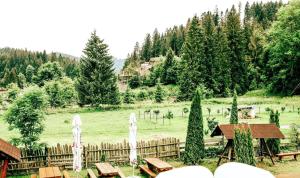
(146, 49)
(128, 97)
(61, 92)
(282, 50)
(243, 146)
(194, 146)
(234, 110)
(13, 91)
(274, 144)
(142, 95)
(21, 80)
(26, 115)
(49, 71)
(96, 83)
(134, 82)
(169, 71)
(159, 94)
(212, 123)
(29, 73)
(294, 134)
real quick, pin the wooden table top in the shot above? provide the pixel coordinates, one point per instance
(49, 172)
(296, 175)
(157, 163)
(106, 169)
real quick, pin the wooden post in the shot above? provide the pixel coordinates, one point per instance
(4, 169)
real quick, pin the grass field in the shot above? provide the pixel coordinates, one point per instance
(112, 125)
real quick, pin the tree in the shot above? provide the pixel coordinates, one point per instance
(26, 115)
(13, 92)
(237, 62)
(192, 63)
(274, 143)
(128, 98)
(134, 82)
(29, 73)
(169, 73)
(194, 146)
(283, 50)
(96, 83)
(147, 48)
(243, 146)
(159, 94)
(234, 110)
(21, 80)
(49, 71)
(156, 44)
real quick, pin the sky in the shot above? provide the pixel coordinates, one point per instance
(65, 25)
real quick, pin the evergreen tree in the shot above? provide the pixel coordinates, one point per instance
(274, 143)
(192, 63)
(147, 48)
(21, 80)
(194, 146)
(97, 81)
(234, 110)
(169, 73)
(29, 73)
(235, 41)
(128, 98)
(156, 44)
(159, 94)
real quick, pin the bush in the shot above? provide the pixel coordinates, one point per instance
(26, 115)
(49, 71)
(159, 94)
(294, 134)
(134, 82)
(61, 92)
(13, 91)
(128, 97)
(142, 95)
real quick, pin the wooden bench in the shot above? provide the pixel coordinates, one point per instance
(145, 169)
(33, 176)
(66, 174)
(121, 174)
(91, 174)
(281, 155)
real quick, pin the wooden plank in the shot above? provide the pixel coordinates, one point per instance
(106, 169)
(158, 164)
(56, 172)
(42, 172)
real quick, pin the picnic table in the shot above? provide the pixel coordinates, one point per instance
(49, 172)
(157, 165)
(106, 170)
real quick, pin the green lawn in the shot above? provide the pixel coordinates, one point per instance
(112, 126)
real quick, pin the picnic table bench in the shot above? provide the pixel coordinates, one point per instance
(281, 155)
(106, 170)
(90, 174)
(49, 172)
(66, 174)
(155, 166)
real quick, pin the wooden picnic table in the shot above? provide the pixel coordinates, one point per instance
(106, 170)
(49, 172)
(158, 165)
(295, 175)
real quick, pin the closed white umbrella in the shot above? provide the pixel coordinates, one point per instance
(76, 144)
(132, 141)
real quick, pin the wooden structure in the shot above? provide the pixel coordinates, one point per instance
(49, 172)
(8, 152)
(155, 166)
(292, 175)
(106, 170)
(90, 174)
(294, 154)
(258, 131)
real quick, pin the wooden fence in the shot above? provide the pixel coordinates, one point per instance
(61, 155)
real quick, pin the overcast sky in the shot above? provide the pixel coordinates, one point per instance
(65, 25)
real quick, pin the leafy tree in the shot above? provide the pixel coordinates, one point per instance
(13, 92)
(128, 98)
(29, 73)
(169, 73)
(147, 48)
(134, 82)
(21, 80)
(61, 92)
(49, 71)
(192, 64)
(96, 83)
(234, 110)
(273, 143)
(159, 94)
(243, 146)
(194, 146)
(26, 115)
(283, 51)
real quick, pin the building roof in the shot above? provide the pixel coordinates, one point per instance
(257, 130)
(8, 151)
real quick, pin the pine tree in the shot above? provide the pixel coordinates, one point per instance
(97, 81)
(234, 110)
(156, 44)
(147, 48)
(194, 146)
(159, 94)
(21, 80)
(192, 63)
(128, 98)
(169, 73)
(29, 73)
(274, 143)
(235, 41)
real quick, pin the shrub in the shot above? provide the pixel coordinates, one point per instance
(234, 110)
(128, 97)
(61, 92)
(159, 94)
(282, 109)
(134, 82)
(26, 115)
(49, 71)
(13, 91)
(274, 143)
(294, 134)
(142, 95)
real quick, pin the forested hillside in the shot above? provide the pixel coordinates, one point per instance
(218, 51)
(18, 63)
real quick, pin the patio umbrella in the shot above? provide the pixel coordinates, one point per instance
(188, 171)
(132, 141)
(76, 144)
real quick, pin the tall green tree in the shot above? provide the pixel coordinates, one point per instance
(96, 83)
(169, 72)
(234, 110)
(159, 94)
(147, 48)
(274, 143)
(156, 44)
(236, 53)
(282, 47)
(192, 63)
(194, 145)
(29, 73)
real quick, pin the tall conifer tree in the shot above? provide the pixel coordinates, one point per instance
(234, 110)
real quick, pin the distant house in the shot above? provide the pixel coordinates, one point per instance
(247, 112)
